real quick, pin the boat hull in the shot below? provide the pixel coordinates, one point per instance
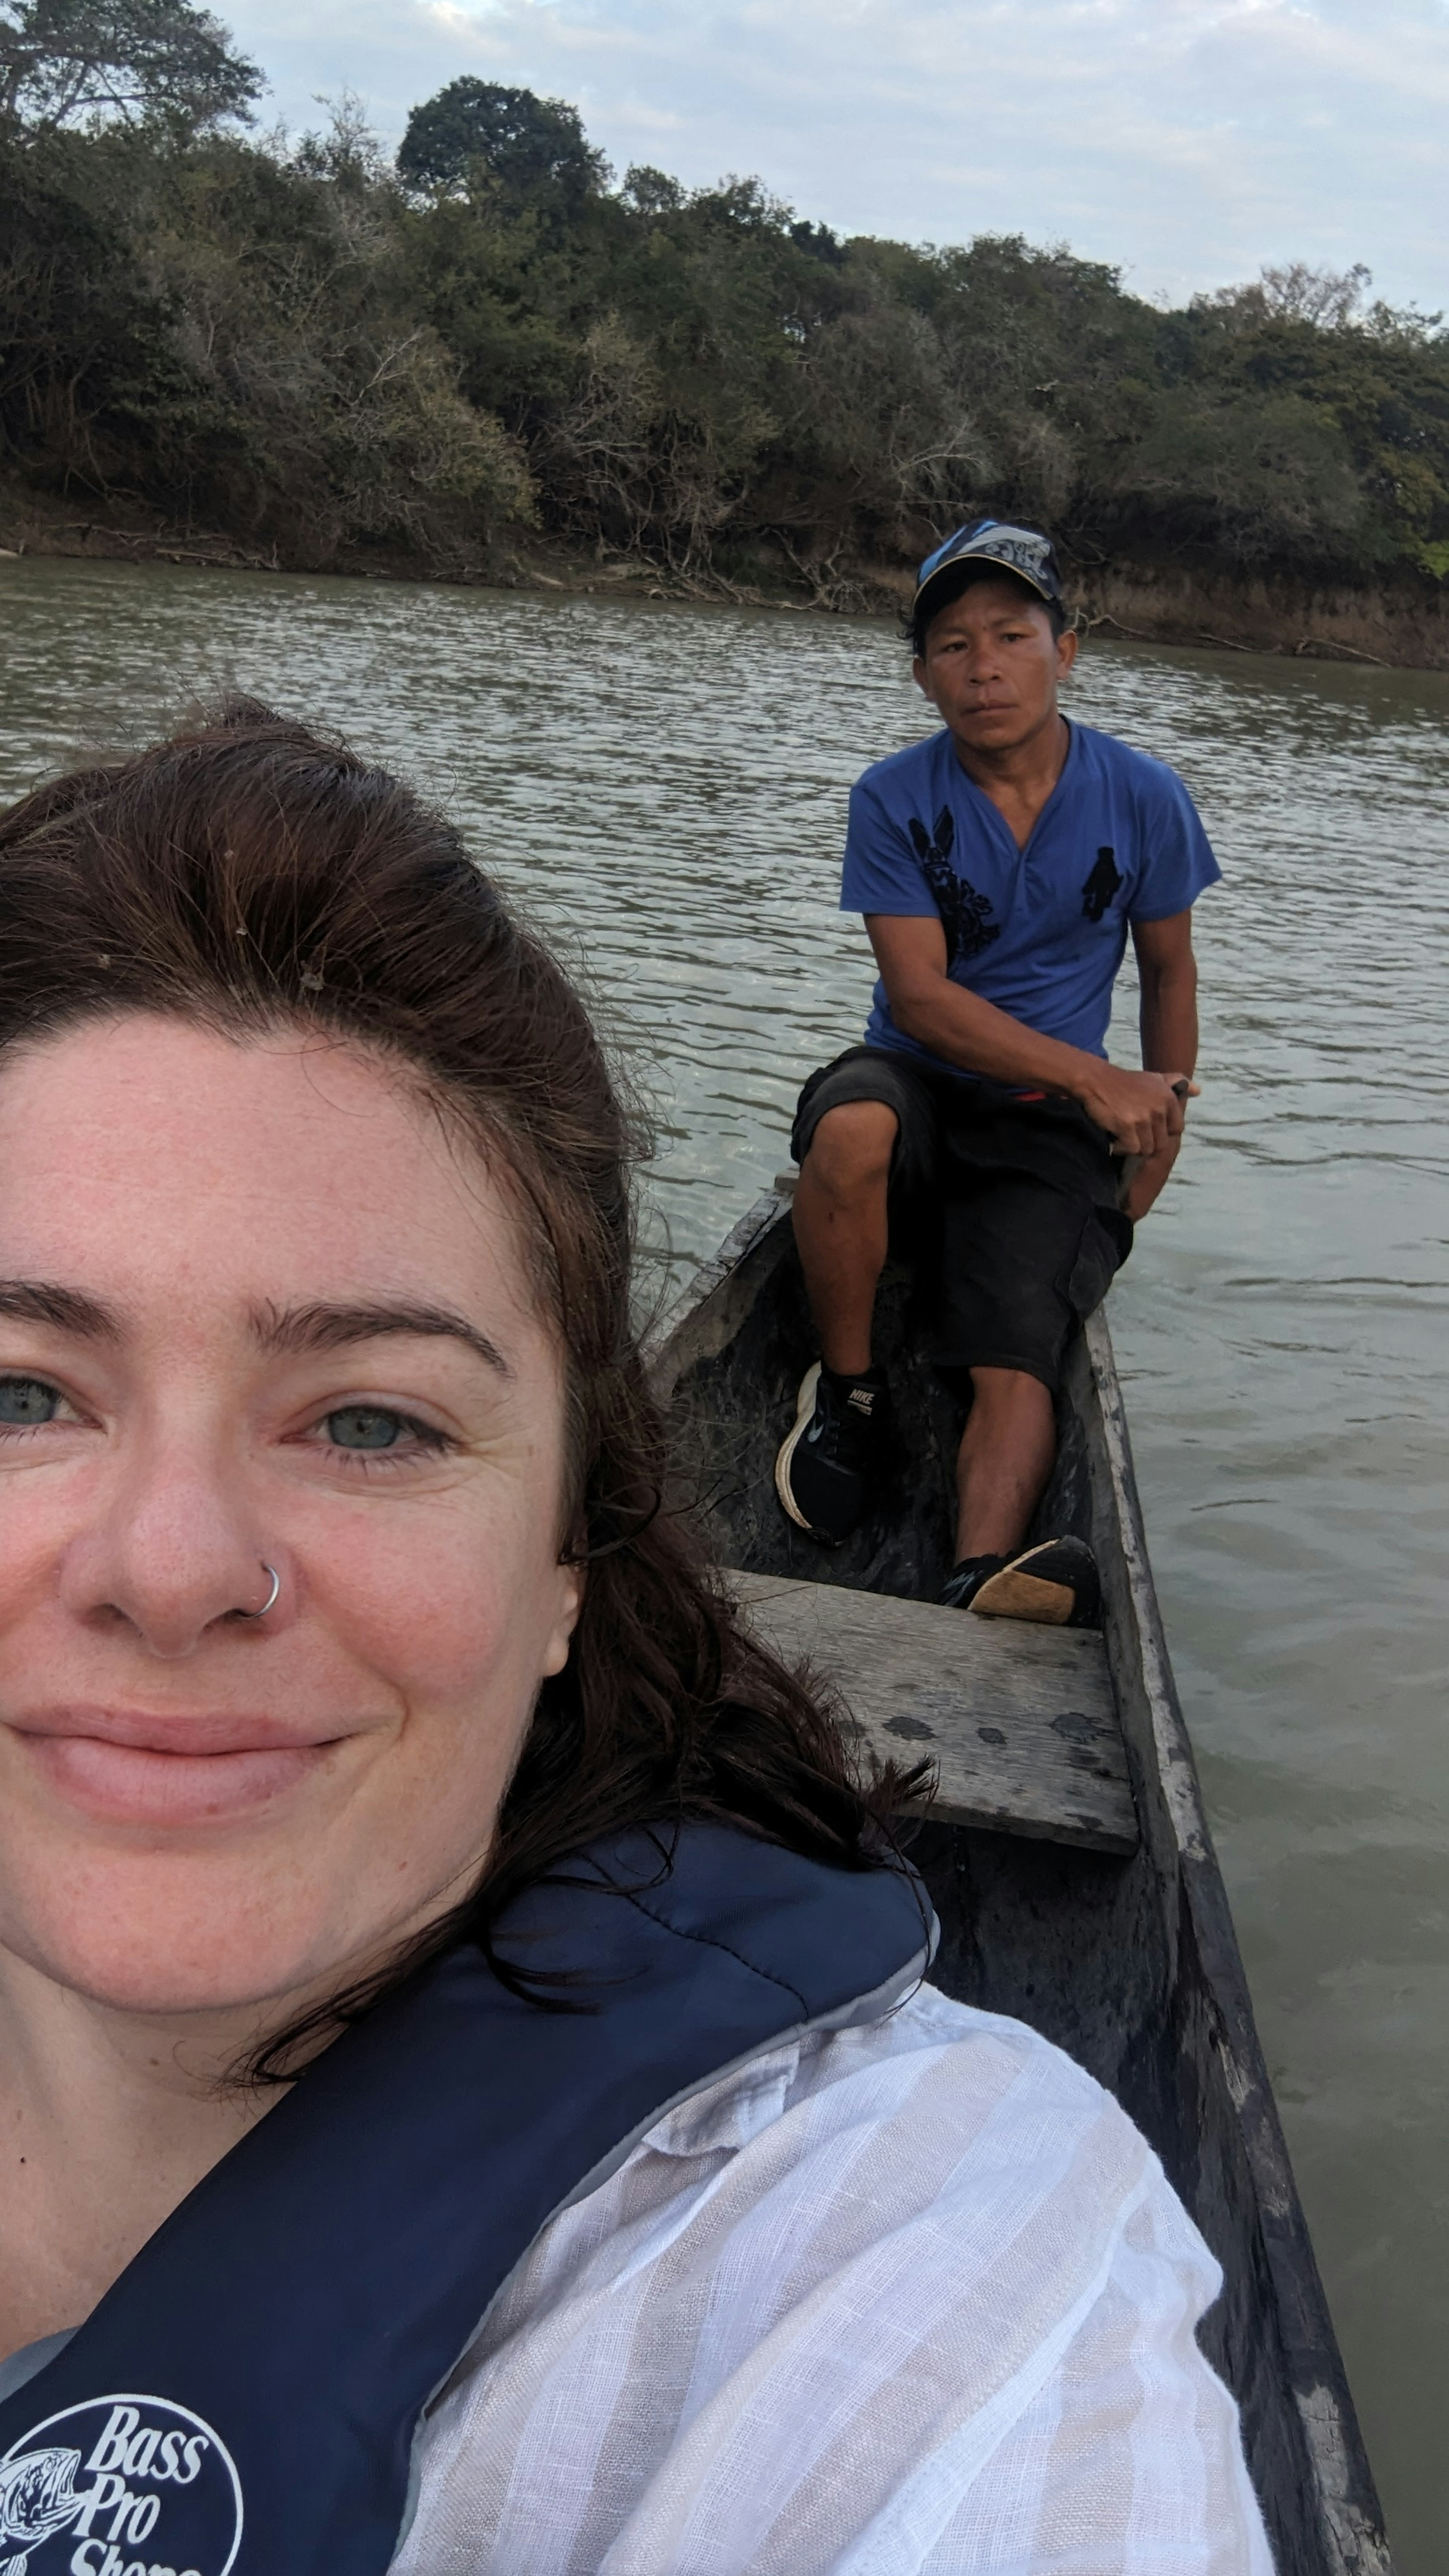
(1131, 1965)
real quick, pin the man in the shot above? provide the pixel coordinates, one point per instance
(999, 865)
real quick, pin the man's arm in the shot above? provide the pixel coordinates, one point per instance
(1139, 1111)
(1167, 970)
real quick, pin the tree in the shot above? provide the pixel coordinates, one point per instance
(647, 191)
(1331, 299)
(64, 60)
(524, 142)
(1247, 476)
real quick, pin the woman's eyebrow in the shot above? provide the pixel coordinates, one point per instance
(324, 1327)
(68, 1310)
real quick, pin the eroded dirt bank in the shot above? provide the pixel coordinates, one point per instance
(1402, 624)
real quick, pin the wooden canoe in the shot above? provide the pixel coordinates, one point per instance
(1067, 1853)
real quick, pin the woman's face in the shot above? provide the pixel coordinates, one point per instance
(254, 1307)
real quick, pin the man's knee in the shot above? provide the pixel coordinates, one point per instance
(1001, 1389)
(850, 1151)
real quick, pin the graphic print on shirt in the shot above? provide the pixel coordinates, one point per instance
(965, 914)
(158, 2494)
(1101, 885)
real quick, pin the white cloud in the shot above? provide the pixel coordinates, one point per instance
(1187, 140)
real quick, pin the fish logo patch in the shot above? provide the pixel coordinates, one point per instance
(120, 2486)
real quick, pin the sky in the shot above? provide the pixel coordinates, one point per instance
(1188, 142)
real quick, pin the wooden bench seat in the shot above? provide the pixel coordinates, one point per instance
(1020, 1721)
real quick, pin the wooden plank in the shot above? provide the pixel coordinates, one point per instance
(1020, 1721)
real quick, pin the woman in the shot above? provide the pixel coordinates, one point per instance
(470, 2098)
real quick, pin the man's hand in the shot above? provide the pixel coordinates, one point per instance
(1143, 1113)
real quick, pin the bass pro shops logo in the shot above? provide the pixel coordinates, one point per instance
(122, 2486)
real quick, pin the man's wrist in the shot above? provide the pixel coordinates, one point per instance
(1078, 1075)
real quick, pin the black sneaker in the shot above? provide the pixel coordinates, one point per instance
(827, 1467)
(1055, 1584)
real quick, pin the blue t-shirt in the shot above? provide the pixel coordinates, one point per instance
(1041, 931)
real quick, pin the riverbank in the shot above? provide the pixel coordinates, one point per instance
(1400, 626)
(1404, 627)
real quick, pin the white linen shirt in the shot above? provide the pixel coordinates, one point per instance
(908, 2300)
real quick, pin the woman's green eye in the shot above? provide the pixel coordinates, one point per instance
(364, 1426)
(26, 1400)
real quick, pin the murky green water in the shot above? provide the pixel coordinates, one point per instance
(665, 789)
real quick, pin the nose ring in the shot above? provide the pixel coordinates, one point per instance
(271, 1600)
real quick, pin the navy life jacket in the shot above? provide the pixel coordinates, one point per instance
(245, 2400)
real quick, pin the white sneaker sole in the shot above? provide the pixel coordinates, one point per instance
(804, 1408)
(1017, 1593)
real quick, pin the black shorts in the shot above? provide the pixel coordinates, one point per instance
(1018, 1199)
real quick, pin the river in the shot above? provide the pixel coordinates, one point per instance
(664, 788)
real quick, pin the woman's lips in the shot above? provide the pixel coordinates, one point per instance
(113, 1776)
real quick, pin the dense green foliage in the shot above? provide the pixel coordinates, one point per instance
(301, 346)
(527, 143)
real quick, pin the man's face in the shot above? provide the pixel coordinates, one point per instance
(992, 665)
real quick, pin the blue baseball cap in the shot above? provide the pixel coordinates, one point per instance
(997, 545)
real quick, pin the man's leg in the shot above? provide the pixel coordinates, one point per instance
(1021, 1270)
(840, 1227)
(828, 1465)
(1007, 1452)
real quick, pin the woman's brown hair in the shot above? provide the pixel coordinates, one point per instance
(248, 873)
